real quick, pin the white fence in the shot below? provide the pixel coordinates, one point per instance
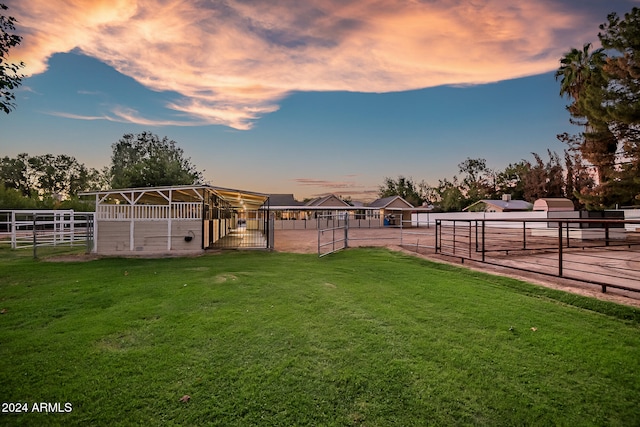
(24, 229)
(429, 219)
(179, 211)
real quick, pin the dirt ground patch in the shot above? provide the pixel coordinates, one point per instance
(306, 241)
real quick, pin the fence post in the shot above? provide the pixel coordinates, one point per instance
(271, 233)
(483, 235)
(86, 228)
(470, 225)
(560, 249)
(524, 235)
(35, 254)
(454, 237)
(72, 226)
(346, 230)
(476, 228)
(13, 230)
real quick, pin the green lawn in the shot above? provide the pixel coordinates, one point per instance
(362, 337)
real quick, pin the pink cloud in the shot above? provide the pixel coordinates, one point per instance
(233, 61)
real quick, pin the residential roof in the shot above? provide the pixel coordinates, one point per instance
(387, 201)
(327, 201)
(276, 200)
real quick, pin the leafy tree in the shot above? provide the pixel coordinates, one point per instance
(604, 86)
(582, 78)
(428, 194)
(512, 179)
(145, 160)
(622, 68)
(479, 182)
(451, 197)
(545, 179)
(621, 37)
(403, 187)
(62, 176)
(579, 180)
(47, 177)
(14, 174)
(11, 198)
(10, 78)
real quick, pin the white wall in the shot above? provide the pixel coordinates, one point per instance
(423, 219)
(430, 218)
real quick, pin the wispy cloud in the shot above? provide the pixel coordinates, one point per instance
(311, 182)
(345, 188)
(233, 61)
(127, 115)
(90, 92)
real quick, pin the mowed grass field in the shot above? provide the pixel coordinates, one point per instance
(362, 337)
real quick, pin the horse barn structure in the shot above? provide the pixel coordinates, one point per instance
(179, 220)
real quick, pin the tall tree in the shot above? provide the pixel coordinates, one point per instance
(575, 72)
(579, 181)
(14, 174)
(621, 37)
(145, 160)
(605, 88)
(512, 179)
(582, 78)
(545, 179)
(479, 182)
(403, 187)
(10, 78)
(47, 176)
(451, 197)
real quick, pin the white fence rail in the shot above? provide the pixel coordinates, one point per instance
(26, 229)
(176, 210)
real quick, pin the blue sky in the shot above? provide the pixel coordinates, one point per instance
(299, 99)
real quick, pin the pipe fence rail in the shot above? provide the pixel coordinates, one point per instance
(333, 233)
(33, 229)
(597, 251)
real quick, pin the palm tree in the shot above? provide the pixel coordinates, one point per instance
(582, 79)
(577, 69)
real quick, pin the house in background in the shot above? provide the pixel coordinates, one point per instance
(328, 205)
(392, 210)
(382, 212)
(504, 205)
(285, 207)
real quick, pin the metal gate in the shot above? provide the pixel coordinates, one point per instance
(456, 238)
(333, 233)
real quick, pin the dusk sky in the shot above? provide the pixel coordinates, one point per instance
(304, 97)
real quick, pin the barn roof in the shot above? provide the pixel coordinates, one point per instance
(553, 204)
(182, 193)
